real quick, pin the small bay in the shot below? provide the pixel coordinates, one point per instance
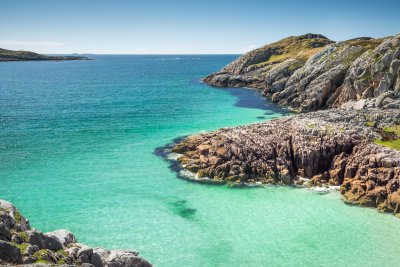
(77, 145)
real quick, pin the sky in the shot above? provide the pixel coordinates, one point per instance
(184, 27)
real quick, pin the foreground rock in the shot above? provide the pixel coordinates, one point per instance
(310, 72)
(22, 245)
(328, 147)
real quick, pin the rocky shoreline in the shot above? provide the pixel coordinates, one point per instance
(324, 148)
(21, 245)
(354, 84)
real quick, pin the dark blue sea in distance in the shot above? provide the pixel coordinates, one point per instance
(77, 145)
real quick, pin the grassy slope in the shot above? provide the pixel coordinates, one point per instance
(301, 49)
(296, 47)
(395, 144)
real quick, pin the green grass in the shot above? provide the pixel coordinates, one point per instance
(395, 144)
(62, 252)
(39, 253)
(297, 47)
(367, 44)
(23, 235)
(392, 129)
(17, 216)
(22, 247)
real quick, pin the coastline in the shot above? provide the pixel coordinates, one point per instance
(49, 59)
(22, 245)
(13, 56)
(336, 137)
(318, 146)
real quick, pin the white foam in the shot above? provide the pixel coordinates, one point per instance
(173, 156)
(324, 190)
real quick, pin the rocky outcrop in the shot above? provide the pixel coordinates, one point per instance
(328, 147)
(375, 74)
(371, 177)
(307, 78)
(22, 245)
(312, 85)
(254, 67)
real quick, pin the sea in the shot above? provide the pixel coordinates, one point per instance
(77, 152)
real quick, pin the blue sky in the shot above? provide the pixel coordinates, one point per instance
(184, 27)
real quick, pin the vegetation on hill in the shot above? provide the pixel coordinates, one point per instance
(10, 55)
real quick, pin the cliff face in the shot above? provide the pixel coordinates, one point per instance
(10, 55)
(22, 245)
(311, 72)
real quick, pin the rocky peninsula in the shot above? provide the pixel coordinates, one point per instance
(21, 245)
(346, 134)
(10, 55)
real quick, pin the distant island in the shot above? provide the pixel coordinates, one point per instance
(11, 55)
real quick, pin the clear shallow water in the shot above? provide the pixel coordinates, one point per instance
(76, 151)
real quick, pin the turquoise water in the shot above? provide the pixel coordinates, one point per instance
(77, 145)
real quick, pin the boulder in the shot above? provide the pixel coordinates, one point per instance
(37, 238)
(122, 258)
(9, 253)
(63, 236)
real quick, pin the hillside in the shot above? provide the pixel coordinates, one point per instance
(310, 72)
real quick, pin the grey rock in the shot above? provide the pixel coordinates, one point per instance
(18, 222)
(121, 258)
(85, 250)
(5, 233)
(380, 100)
(9, 253)
(73, 252)
(36, 238)
(65, 237)
(53, 247)
(96, 260)
(29, 260)
(42, 241)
